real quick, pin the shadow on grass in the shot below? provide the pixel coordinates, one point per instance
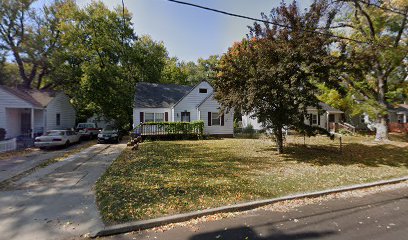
(163, 178)
(352, 153)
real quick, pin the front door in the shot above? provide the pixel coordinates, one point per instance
(25, 124)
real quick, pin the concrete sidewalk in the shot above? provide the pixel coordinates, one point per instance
(376, 215)
(58, 201)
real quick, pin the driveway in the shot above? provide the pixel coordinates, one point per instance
(16, 165)
(58, 201)
(381, 215)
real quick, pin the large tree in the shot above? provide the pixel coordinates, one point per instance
(375, 66)
(273, 73)
(31, 36)
(98, 63)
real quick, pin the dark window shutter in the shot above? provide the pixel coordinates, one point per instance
(209, 118)
(166, 116)
(310, 119)
(222, 119)
(318, 119)
(141, 117)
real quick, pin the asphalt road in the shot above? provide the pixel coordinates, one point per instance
(382, 215)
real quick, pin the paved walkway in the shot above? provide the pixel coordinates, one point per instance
(57, 202)
(382, 215)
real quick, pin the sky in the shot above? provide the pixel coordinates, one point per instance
(191, 33)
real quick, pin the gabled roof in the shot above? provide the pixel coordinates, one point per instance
(191, 91)
(154, 95)
(327, 108)
(402, 108)
(205, 99)
(38, 98)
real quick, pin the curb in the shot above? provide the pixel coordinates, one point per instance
(145, 224)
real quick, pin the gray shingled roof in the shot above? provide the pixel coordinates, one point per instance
(328, 108)
(38, 98)
(153, 95)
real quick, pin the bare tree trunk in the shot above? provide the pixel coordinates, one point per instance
(279, 139)
(381, 130)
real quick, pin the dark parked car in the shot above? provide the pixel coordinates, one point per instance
(109, 134)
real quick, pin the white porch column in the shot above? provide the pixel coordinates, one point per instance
(32, 122)
(405, 118)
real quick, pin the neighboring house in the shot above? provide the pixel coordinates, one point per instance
(399, 114)
(178, 103)
(398, 119)
(329, 120)
(30, 112)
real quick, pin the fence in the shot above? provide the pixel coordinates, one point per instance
(8, 145)
(170, 129)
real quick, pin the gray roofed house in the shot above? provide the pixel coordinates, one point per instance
(30, 112)
(154, 95)
(177, 103)
(329, 120)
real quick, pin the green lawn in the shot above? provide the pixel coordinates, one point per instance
(163, 178)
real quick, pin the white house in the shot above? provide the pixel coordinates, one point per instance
(327, 120)
(30, 112)
(178, 103)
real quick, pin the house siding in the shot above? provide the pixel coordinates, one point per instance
(9, 103)
(60, 104)
(137, 111)
(248, 120)
(190, 102)
(211, 105)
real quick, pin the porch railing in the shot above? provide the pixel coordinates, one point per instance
(8, 145)
(169, 128)
(334, 127)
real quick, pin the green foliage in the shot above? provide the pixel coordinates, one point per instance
(31, 36)
(374, 72)
(190, 73)
(273, 74)
(101, 63)
(248, 130)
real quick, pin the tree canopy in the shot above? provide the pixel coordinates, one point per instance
(272, 74)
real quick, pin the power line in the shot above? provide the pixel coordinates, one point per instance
(264, 21)
(393, 10)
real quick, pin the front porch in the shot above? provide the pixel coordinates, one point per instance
(23, 123)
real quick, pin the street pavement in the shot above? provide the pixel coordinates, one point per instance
(58, 201)
(382, 215)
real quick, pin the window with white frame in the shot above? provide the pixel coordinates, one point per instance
(149, 117)
(154, 117)
(215, 119)
(159, 117)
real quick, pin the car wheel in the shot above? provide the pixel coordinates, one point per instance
(117, 140)
(43, 148)
(67, 143)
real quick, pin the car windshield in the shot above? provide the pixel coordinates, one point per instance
(85, 125)
(54, 133)
(109, 128)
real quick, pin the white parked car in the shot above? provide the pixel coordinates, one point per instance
(56, 138)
